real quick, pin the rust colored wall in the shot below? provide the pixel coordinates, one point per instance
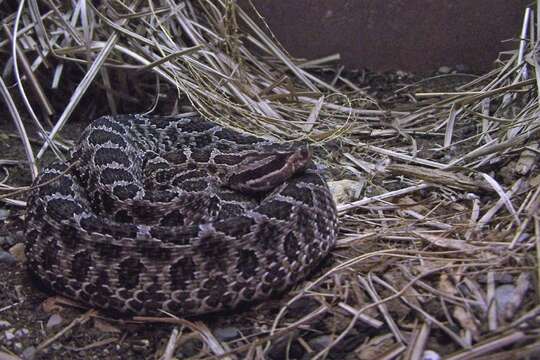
(416, 35)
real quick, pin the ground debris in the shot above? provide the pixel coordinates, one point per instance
(439, 178)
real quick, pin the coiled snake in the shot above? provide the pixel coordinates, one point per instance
(176, 214)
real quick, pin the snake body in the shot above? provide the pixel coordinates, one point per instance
(176, 214)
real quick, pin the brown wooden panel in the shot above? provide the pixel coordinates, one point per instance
(416, 35)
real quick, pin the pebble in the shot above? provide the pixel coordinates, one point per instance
(503, 295)
(29, 353)
(282, 348)
(4, 324)
(189, 349)
(9, 334)
(430, 355)
(226, 333)
(345, 191)
(445, 69)
(54, 321)
(7, 240)
(321, 342)
(4, 213)
(500, 278)
(141, 345)
(23, 332)
(402, 74)
(7, 258)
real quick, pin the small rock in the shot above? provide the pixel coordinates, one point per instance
(523, 237)
(54, 321)
(321, 342)
(285, 347)
(500, 278)
(21, 333)
(9, 334)
(345, 191)
(29, 353)
(430, 355)
(187, 108)
(402, 74)
(4, 213)
(7, 240)
(503, 296)
(445, 69)
(4, 324)
(7, 258)
(226, 333)
(141, 345)
(17, 346)
(17, 251)
(189, 349)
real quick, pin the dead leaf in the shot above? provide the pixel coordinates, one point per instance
(446, 286)
(466, 321)
(17, 251)
(56, 304)
(105, 326)
(448, 243)
(375, 347)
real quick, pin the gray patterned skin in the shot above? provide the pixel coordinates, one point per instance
(176, 214)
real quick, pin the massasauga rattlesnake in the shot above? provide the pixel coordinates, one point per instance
(176, 214)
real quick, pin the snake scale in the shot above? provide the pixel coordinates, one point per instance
(176, 214)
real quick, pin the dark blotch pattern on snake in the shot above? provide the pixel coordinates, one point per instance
(176, 214)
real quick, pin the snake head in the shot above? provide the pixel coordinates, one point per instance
(263, 171)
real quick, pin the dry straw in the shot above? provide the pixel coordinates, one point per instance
(439, 253)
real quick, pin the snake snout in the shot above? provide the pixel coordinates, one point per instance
(266, 171)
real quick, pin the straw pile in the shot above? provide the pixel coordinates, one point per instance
(437, 255)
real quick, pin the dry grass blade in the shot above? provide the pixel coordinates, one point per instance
(83, 86)
(440, 177)
(440, 236)
(20, 128)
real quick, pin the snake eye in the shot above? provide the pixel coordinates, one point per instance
(265, 171)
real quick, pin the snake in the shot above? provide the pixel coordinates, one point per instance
(177, 214)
